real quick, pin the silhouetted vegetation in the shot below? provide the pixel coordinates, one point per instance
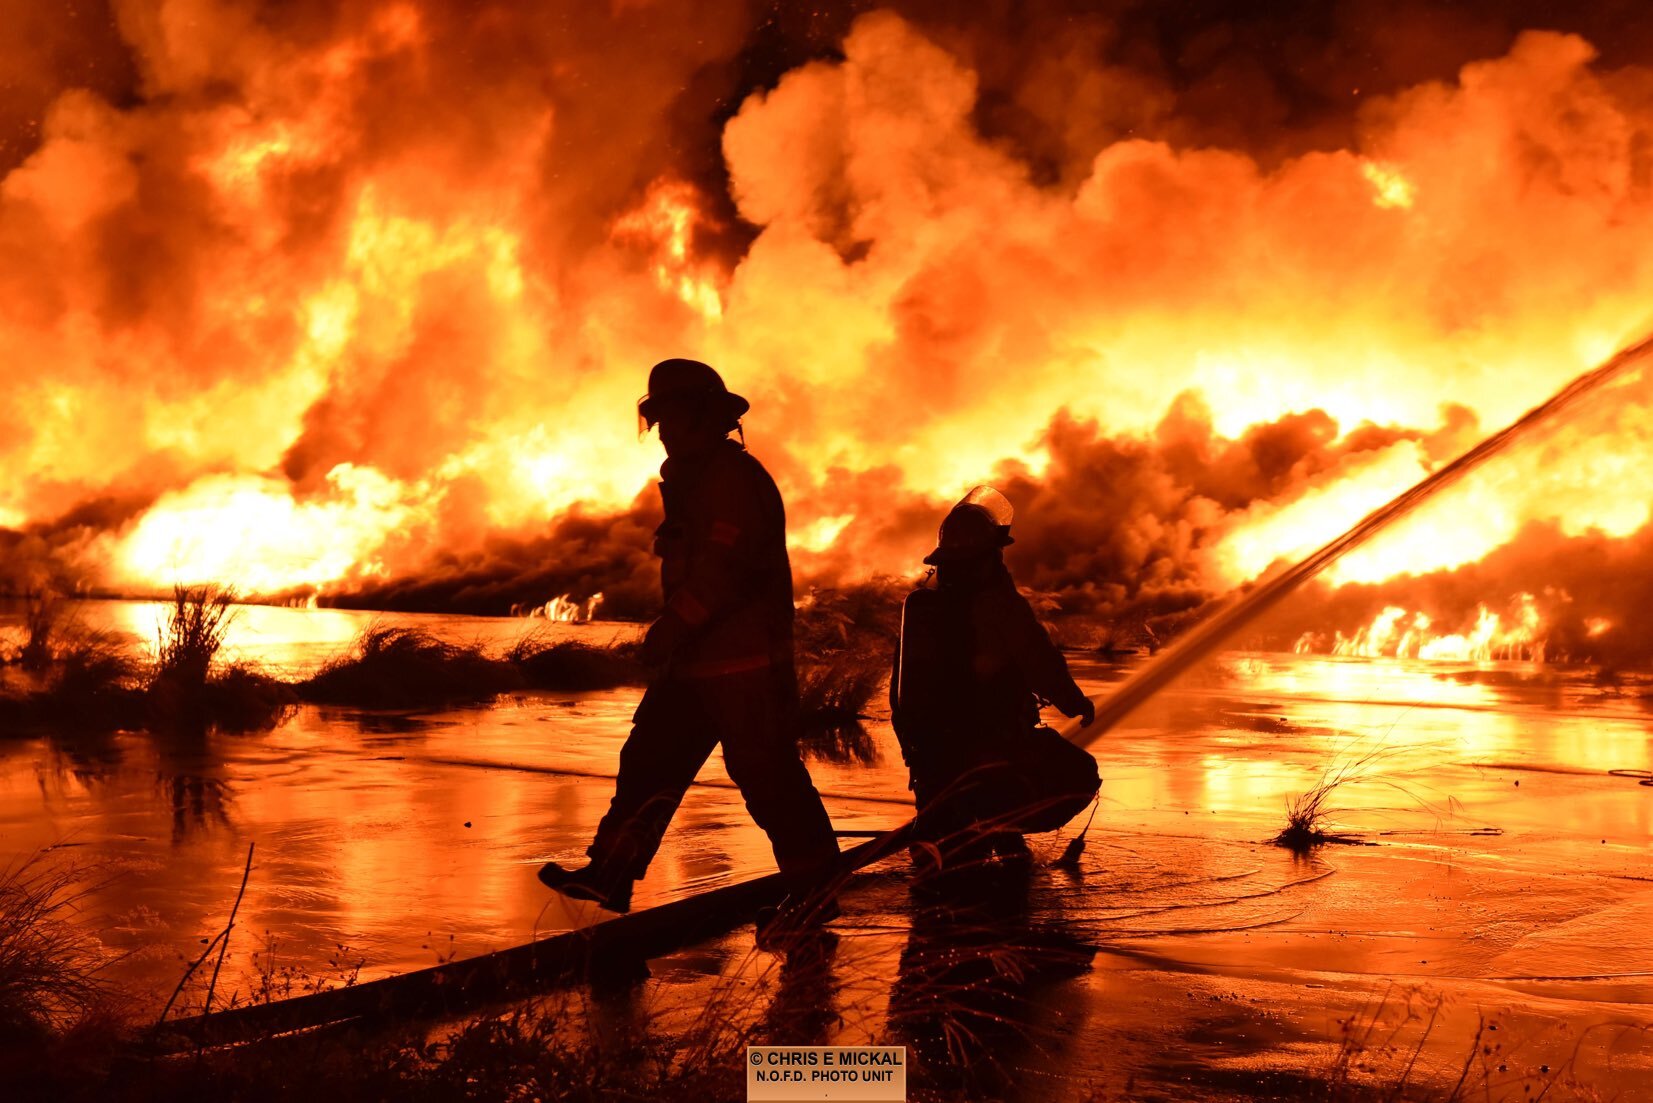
(390, 667)
(193, 635)
(1306, 820)
(241, 698)
(547, 663)
(837, 690)
(845, 644)
(1308, 814)
(50, 965)
(42, 610)
(845, 640)
(188, 688)
(86, 682)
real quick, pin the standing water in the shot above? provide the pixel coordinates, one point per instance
(1507, 873)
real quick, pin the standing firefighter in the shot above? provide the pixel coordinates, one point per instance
(972, 670)
(723, 651)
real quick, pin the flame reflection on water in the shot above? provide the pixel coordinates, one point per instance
(407, 838)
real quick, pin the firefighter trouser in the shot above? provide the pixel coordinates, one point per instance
(675, 728)
(1036, 781)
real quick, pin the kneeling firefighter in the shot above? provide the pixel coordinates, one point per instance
(973, 668)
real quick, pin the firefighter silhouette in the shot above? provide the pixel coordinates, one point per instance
(973, 668)
(722, 648)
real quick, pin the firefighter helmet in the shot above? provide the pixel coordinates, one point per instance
(676, 380)
(979, 524)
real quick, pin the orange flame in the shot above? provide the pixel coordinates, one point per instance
(1397, 633)
(333, 327)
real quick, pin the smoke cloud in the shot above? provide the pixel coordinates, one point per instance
(356, 299)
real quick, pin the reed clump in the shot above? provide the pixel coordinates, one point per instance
(42, 614)
(1306, 819)
(1309, 813)
(393, 667)
(191, 687)
(241, 698)
(51, 967)
(193, 635)
(845, 645)
(88, 682)
(544, 662)
(839, 689)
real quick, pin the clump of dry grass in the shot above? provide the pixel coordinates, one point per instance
(864, 617)
(391, 667)
(833, 698)
(89, 683)
(193, 635)
(1308, 814)
(564, 664)
(187, 689)
(241, 698)
(838, 689)
(50, 966)
(42, 614)
(845, 644)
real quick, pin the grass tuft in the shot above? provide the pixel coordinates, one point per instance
(194, 634)
(42, 613)
(1308, 814)
(543, 662)
(50, 966)
(393, 667)
(838, 689)
(845, 643)
(240, 698)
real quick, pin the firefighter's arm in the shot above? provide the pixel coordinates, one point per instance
(1042, 665)
(720, 570)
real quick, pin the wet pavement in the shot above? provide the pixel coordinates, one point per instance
(1502, 878)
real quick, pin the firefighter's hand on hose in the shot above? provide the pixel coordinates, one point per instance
(1087, 715)
(660, 641)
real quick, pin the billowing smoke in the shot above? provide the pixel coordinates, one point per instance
(610, 555)
(1544, 596)
(356, 299)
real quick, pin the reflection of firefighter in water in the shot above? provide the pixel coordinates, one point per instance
(723, 646)
(973, 997)
(972, 670)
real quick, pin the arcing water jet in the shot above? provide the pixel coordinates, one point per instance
(1244, 609)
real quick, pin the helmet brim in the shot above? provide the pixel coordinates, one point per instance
(952, 555)
(734, 406)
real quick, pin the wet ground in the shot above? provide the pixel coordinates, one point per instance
(1501, 898)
